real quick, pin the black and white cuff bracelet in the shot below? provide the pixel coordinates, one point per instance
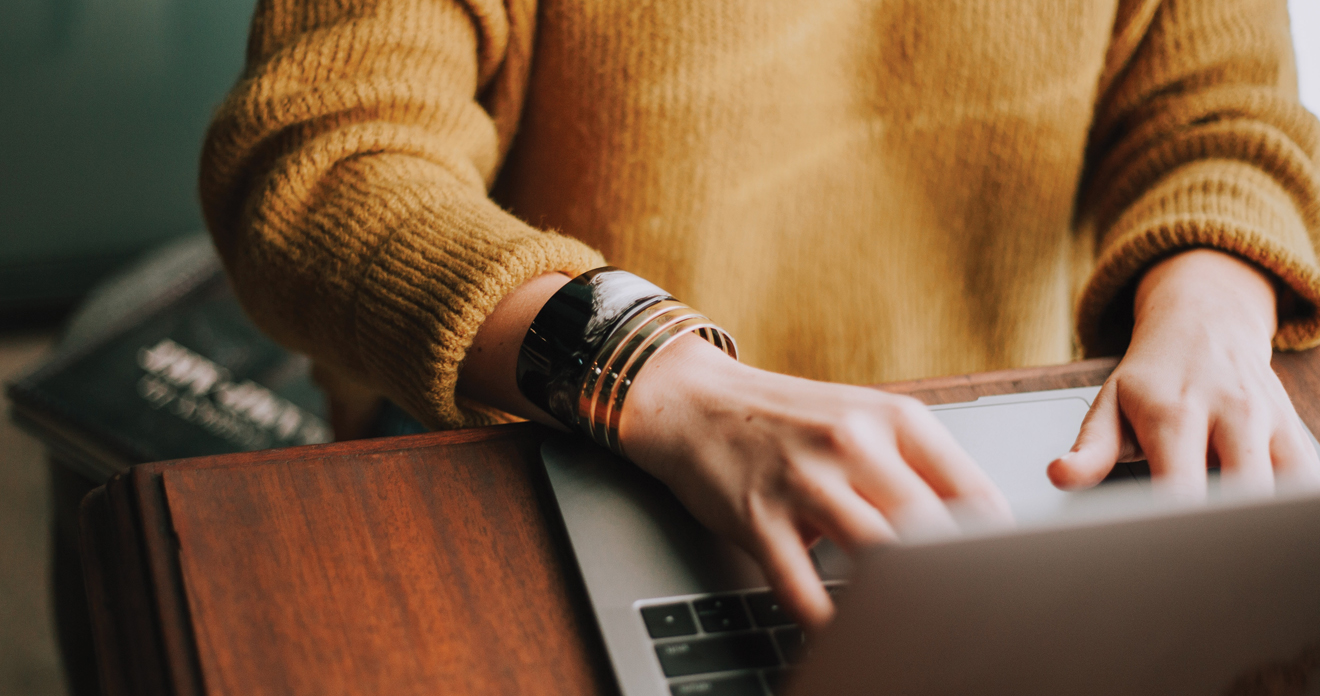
(591, 339)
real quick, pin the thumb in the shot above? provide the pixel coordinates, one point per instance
(1098, 445)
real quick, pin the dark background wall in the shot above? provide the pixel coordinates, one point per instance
(103, 104)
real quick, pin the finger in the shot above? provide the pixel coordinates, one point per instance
(787, 565)
(1175, 445)
(1294, 457)
(1242, 446)
(1100, 443)
(929, 448)
(907, 502)
(844, 516)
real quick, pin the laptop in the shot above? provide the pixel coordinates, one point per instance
(1098, 592)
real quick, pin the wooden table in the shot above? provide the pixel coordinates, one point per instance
(415, 565)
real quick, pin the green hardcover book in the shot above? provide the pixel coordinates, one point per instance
(163, 364)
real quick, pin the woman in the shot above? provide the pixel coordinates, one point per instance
(857, 191)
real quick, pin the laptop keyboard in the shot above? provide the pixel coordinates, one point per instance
(735, 644)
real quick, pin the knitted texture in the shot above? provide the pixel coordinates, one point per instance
(858, 191)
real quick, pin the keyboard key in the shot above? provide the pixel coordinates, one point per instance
(792, 644)
(741, 685)
(669, 621)
(767, 611)
(716, 654)
(723, 613)
(777, 680)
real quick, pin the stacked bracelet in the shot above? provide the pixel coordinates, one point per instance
(589, 342)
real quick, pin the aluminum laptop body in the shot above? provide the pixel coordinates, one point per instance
(1091, 593)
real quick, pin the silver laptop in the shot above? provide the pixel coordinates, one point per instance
(1102, 592)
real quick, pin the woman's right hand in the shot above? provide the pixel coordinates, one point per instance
(774, 462)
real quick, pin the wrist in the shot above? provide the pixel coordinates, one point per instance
(671, 389)
(589, 343)
(1210, 287)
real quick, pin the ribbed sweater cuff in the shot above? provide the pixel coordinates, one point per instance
(1222, 204)
(430, 287)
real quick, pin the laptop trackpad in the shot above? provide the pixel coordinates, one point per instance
(1014, 442)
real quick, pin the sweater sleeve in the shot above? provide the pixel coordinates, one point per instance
(1199, 141)
(345, 179)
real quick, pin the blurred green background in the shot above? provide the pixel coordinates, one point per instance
(101, 120)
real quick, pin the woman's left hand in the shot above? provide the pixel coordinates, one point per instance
(1196, 388)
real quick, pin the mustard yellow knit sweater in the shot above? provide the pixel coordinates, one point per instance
(859, 190)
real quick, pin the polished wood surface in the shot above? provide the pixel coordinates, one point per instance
(411, 565)
(424, 564)
(419, 570)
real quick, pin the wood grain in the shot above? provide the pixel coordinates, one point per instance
(420, 570)
(423, 564)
